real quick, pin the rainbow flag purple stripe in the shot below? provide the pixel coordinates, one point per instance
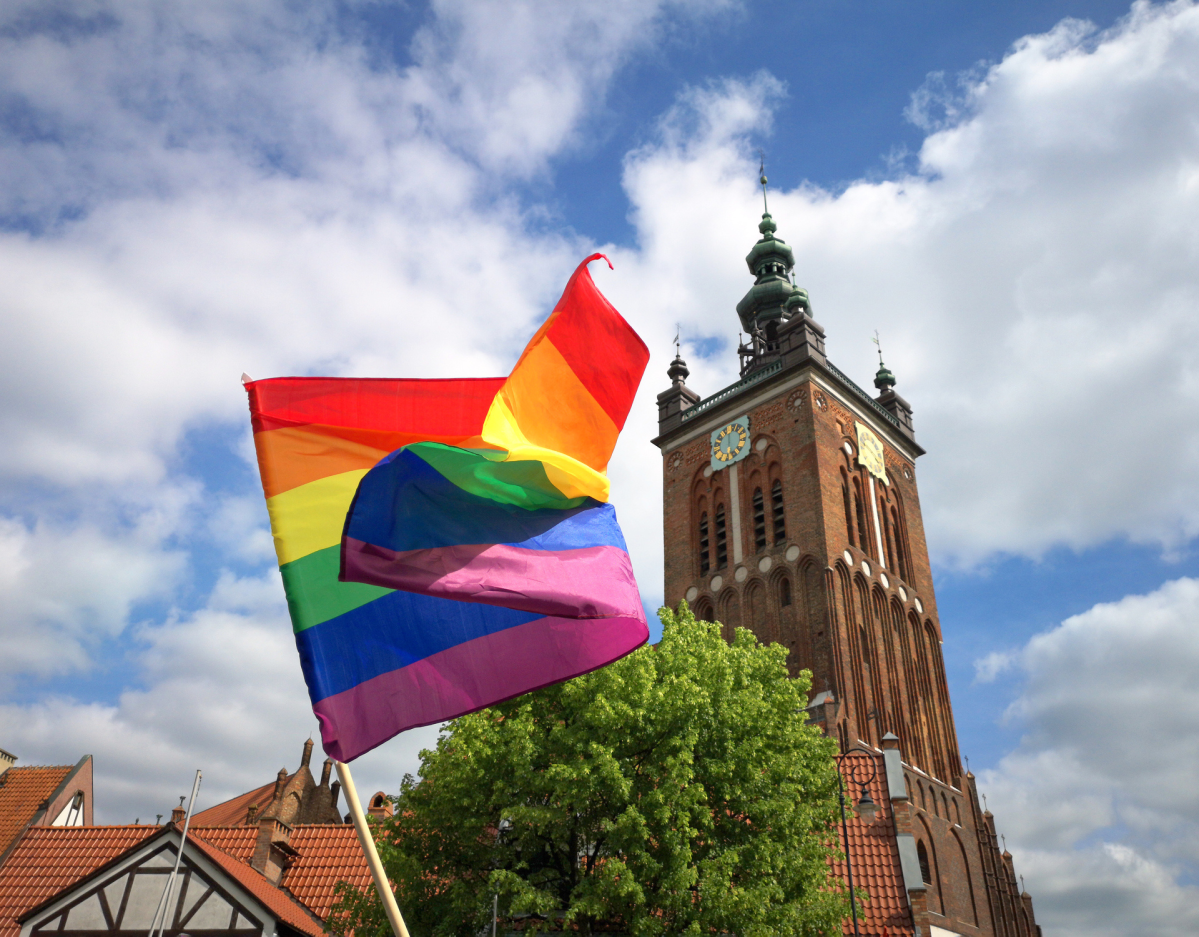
(445, 545)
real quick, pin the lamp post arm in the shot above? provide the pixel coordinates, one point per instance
(853, 902)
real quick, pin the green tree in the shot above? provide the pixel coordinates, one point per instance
(676, 791)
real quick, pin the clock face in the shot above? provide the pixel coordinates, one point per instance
(729, 442)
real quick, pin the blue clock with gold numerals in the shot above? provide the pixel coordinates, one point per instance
(730, 443)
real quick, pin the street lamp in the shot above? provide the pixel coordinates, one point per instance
(866, 810)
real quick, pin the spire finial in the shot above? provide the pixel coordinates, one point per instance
(762, 180)
(678, 332)
(884, 380)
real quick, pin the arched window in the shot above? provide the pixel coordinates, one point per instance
(784, 592)
(703, 610)
(848, 513)
(759, 521)
(722, 547)
(705, 558)
(926, 874)
(780, 520)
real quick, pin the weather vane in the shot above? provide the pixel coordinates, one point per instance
(762, 180)
(678, 331)
(880, 347)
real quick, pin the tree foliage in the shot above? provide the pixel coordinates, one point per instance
(675, 791)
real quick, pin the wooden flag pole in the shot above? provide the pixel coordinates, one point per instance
(372, 854)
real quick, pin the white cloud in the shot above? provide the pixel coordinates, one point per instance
(193, 191)
(222, 692)
(987, 668)
(1098, 803)
(65, 587)
(1034, 283)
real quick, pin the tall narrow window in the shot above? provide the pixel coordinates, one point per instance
(784, 592)
(863, 540)
(759, 521)
(776, 505)
(705, 560)
(722, 548)
(886, 516)
(900, 556)
(853, 542)
(922, 856)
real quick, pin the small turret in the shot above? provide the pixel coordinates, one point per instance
(678, 372)
(679, 397)
(890, 401)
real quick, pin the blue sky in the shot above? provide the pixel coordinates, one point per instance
(1007, 192)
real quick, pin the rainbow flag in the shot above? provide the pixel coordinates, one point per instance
(448, 544)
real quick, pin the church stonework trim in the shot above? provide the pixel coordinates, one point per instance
(804, 546)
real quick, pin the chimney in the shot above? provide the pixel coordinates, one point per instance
(272, 854)
(380, 807)
(325, 772)
(307, 754)
(178, 813)
(7, 760)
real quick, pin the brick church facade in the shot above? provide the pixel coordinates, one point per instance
(791, 509)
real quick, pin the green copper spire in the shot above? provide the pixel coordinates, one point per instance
(774, 298)
(884, 379)
(770, 260)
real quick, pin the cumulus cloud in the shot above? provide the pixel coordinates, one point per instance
(1097, 802)
(190, 192)
(1033, 281)
(221, 691)
(66, 586)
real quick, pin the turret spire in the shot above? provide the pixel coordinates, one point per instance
(762, 179)
(884, 380)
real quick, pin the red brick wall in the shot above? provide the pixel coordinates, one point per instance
(866, 642)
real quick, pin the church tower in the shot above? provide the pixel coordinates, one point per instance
(791, 509)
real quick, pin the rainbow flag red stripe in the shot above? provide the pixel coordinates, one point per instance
(447, 544)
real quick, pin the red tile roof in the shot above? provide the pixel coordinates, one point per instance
(282, 905)
(50, 858)
(875, 857)
(22, 792)
(329, 853)
(237, 841)
(234, 812)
